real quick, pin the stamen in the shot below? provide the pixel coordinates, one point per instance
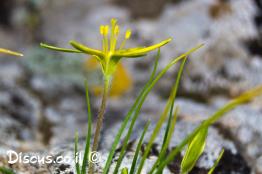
(106, 37)
(127, 36)
(106, 28)
(102, 29)
(116, 33)
(102, 32)
(112, 37)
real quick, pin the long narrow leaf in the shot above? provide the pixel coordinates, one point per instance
(89, 131)
(138, 148)
(217, 161)
(137, 111)
(169, 105)
(140, 100)
(244, 98)
(155, 66)
(127, 117)
(172, 105)
(165, 141)
(164, 148)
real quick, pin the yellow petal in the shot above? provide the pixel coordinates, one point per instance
(86, 49)
(5, 51)
(134, 52)
(67, 50)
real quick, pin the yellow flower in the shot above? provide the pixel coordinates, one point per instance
(110, 54)
(5, 51)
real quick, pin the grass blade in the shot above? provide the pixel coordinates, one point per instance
(165, 146)
(89, 131)
(140, 100)
(157, 129)
(127, 117)
(136, 114)
(139, 145)
(217, 161)
(170, 104)
(244, 98)
(155, 66)
(76, 154)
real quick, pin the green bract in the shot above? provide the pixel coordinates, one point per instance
(110, 55)
(194, 150)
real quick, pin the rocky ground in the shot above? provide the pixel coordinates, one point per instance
(42, 101)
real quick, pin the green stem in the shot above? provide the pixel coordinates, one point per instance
(100, 119)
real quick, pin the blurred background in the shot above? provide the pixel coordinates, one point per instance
(42, 98)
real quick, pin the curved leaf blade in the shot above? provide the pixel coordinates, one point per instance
(217, 161)
(194, 150)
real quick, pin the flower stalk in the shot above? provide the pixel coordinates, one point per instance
(100, 119)
(101, 114)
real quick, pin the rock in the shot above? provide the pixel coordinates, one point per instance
(20, 111)
(243, 125)
(90, 17)
(143, 9)
(11, 72)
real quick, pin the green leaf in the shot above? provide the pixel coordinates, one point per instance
(171, 124)
(4, 170)
(5, 51)
(172, 105)
(138, 103)
(169, 106)
(155, 66)
(138, 148)
(86, 49)
(77, 155)
(217, 161)
(124, 171)
(244, 98)
(127, 118)
(165, 145)
(194, 150)
(59, 49)
(89, 131)
(133, 121)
